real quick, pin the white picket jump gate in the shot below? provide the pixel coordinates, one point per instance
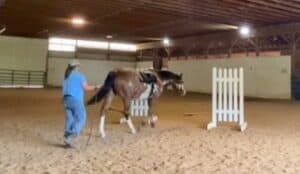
(228, 97)
(140, 107)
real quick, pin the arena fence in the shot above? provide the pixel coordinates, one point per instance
(22, 79)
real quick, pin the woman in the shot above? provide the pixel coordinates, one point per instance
(74, 87)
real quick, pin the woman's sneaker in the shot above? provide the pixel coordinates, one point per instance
(71, 141)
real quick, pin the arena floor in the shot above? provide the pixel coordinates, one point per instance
(31, 129)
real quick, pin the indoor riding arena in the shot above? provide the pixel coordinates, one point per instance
(185, 86)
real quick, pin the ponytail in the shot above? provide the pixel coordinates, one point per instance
(69, 70)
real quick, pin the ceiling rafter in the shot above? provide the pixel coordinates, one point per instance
(270, 11)
(135, 19)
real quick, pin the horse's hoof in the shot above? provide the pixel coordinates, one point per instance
(154, 118)
(152, 124)
(103, 136)
(133, 131)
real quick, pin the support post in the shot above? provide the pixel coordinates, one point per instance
(233, 43)
(157, 61)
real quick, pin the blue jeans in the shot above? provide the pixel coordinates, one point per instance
(75, 116)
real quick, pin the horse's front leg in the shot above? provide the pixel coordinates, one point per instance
(153, 118)
(127, 115)
(103, 112)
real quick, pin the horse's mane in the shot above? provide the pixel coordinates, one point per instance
(166, 74)
(125, 69)
(162, 74)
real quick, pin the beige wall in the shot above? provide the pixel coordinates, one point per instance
(23, 53)
(264, 77)
(94, 70)
(144, 64)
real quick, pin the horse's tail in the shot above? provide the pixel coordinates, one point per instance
(106, 88)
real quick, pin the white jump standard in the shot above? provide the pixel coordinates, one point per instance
(228, 97)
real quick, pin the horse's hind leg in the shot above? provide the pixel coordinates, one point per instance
(153, 118)
(103, 112)
(126, 103)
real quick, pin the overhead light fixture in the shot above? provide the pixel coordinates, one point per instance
(244, 31)
(109, 36)
(166, 41)
(2, 29)
(78, 21)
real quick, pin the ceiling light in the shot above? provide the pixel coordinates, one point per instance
(166, 41)
(78, 21)
(2, 29)
(109, 36)
(245, 31)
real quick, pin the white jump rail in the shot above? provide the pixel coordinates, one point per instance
(228, 97)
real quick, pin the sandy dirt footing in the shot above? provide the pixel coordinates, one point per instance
(31, 130)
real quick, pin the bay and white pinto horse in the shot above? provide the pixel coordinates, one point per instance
(130, 84)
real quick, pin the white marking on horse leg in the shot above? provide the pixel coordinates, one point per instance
(122, 120)
(130, 124)
(182, 89)
(101, 127)
(152, 119)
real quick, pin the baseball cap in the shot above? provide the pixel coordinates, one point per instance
(74, 62)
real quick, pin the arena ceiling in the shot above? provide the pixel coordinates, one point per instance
(141, 20)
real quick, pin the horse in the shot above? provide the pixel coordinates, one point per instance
(130, 84)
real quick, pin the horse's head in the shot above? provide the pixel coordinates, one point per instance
(175, 80)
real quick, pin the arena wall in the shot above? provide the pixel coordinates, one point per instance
(94, 70)
(264, 77)
(144, 64)
(18, 53)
